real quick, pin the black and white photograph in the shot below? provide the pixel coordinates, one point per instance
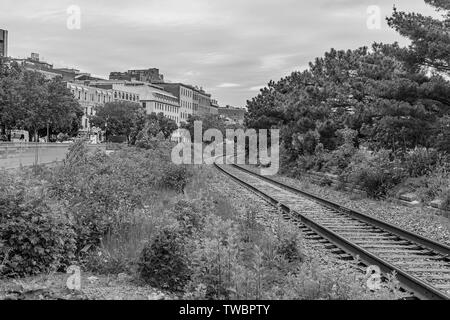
(229, 159)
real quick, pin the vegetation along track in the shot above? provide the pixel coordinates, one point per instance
(422, 266)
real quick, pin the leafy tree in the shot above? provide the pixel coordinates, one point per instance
(116, 118)
(209, 121)
(166, 125)
(29, 101)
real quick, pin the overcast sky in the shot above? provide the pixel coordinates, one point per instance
(230, 47)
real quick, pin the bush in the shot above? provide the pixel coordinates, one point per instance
(189, 215)
(164, 261)
(175, 177)
(35, 237)
(340, 158)
(420, 161)
(376, 173)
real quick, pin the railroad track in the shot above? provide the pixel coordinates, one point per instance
(422, 266)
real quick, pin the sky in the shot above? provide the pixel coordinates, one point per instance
(231, 48)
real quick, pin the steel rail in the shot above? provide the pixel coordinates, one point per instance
(419, 288)
(437, 247)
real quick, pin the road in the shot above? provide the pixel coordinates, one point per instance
(15, 155)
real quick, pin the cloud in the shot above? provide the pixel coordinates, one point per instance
(228, 85)
(224, 46)
(256, 88)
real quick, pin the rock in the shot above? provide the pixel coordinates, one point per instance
(157, 297)
(123, 277)
(437, 203)
(92, 279)
(410, 197)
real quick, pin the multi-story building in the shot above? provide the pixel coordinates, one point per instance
(214, 107)
(202, 101)
(92, 97)
(185, 95)
(3, 43)
(151, 75)
(152, 97)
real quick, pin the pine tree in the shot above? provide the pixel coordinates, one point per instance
(430, 37)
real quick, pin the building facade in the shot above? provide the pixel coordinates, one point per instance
(3, 43)
(151, 75)
(202, 102)
(90, 98)
(154, 99)
(214, 107)
(185, 95)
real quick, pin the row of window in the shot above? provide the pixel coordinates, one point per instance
(103, 97)
(184, 115)
(165, 107)
(186, 92)
(126, 96)
(186, 105)
(166, 98)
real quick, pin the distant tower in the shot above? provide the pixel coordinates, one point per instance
(3, 43)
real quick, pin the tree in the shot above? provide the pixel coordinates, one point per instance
(166, 125)
(116, 117)
(64, 112)
(430, 38)
(29, 101)
(209, 121)
(368, 90)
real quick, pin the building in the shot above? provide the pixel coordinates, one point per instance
(151, 75)
(3, 43)
(214, 107)
(233, 114)
(185, 96)
(91, 98)
(202, 101)
(152, 97)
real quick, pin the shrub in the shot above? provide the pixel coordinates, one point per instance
(36, 236)
(164, 261)
(175, 177)
(374, 172)
(420, 161)
(288, 248)
(62, 137)
(189, 215)
(340, 158)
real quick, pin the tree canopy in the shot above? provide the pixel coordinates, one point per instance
(116, 118)
(385, 93)
(29, 101)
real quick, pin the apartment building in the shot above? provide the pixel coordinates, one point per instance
(202, 101)
(92, 97)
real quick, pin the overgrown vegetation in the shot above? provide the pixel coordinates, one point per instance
(111, 215)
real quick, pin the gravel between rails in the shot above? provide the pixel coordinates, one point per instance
(420, 220)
